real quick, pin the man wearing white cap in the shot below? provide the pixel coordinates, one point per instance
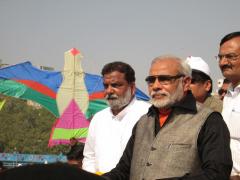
(201, 85)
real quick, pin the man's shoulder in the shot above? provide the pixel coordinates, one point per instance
(103, 111)
(203, 108)
(214, 103)
(215, 99)
(139, 107)
(210, 115)
(102, 114)
(141, 103)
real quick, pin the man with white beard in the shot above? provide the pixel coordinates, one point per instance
(111, 128)
(178, 138)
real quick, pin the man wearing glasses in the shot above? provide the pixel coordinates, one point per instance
(229, 63)
(178, 138)
(201, 84)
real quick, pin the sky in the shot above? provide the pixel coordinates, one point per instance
(133, 31)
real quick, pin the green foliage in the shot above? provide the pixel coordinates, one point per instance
(25, 128)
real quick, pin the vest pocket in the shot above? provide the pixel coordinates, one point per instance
(180, 157)
(179, 147)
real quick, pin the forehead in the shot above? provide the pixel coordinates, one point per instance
(165, 67)
(114, 76)
(230, 46)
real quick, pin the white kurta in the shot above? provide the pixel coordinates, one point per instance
(231, 115)
(108, 136)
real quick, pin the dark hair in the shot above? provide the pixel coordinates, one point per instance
(221, 91)
(229, 37)
(121, 67)
(226, 81)
(199, 76)
(73, 138)
(76, 152)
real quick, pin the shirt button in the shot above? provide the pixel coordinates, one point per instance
(148, 164)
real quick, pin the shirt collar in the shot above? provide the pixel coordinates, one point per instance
(232, 90)
(187, 103)
(121, 114)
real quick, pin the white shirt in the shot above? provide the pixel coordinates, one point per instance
(108, 136)
(231, 115)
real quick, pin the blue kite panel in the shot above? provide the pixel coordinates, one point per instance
(25, 71)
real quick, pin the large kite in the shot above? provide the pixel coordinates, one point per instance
(72, 95)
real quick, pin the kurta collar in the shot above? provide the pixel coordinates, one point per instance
(232, 90)
(121, 114)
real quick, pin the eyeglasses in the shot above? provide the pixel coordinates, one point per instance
(229, 57)
(162, 79)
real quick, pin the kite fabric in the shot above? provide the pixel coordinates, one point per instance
(72, 95)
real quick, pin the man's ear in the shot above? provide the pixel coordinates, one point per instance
(207, 85)
(186, 83)
(133, 88)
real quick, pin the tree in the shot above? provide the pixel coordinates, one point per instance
(26, 128)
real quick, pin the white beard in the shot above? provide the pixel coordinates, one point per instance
(169, 99)
(118, 102)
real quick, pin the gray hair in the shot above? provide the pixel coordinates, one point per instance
(184, 68)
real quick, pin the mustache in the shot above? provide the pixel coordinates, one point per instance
(225, 66)
(156, 93)
(111, 96)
